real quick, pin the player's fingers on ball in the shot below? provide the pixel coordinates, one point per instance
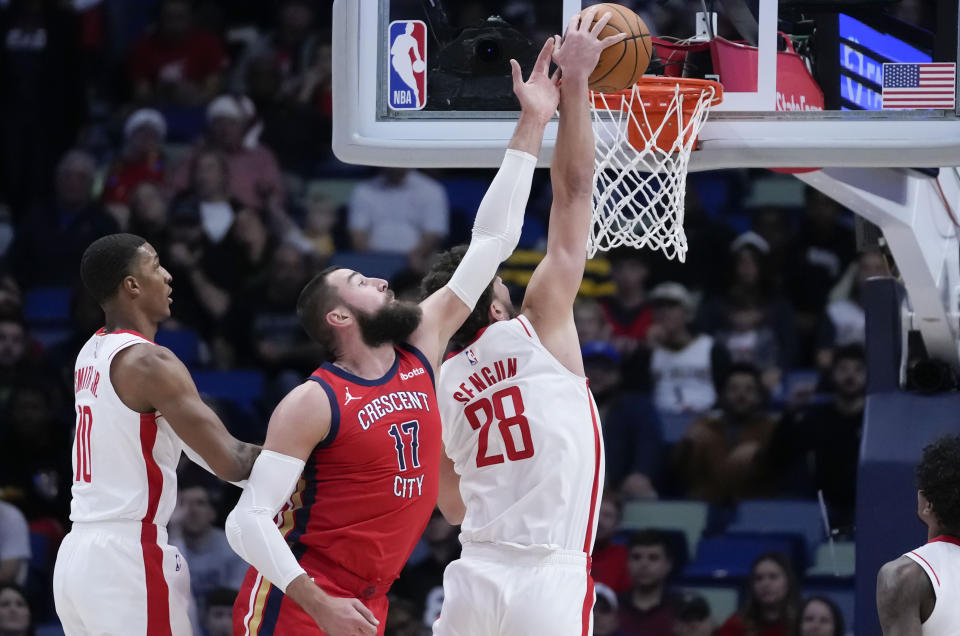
(588, 17)
(574, 22)
(614, 39)
(602, 22)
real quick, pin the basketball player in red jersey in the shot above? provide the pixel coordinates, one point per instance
(137, 412)
(917, 594)
(353, 455)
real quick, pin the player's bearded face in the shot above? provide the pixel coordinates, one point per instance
(392, 323)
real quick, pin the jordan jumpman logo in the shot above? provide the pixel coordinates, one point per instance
(348, 396)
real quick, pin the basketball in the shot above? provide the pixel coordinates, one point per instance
(621, 65)
(418, 66)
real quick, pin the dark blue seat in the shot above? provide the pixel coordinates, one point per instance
(47, 306)
(374, 264)
(792, 516)
(184, 343)
(731, 556)
(242, 387)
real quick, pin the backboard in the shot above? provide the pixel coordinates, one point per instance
(460, 111)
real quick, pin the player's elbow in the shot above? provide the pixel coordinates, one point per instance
(453, 513)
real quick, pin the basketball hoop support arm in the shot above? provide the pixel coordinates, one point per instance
(920, 226)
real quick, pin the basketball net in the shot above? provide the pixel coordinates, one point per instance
(644, 137)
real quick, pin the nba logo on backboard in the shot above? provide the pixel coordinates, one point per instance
(407, 83)
(471, 357)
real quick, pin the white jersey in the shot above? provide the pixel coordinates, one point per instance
(940, 559)
(524, 436)
(683, 380)
(124, 462)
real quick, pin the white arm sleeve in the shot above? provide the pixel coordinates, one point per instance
(496, 230)
(250, 529)
(194, 456)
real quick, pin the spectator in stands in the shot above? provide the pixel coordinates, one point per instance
(422, 583)
(752, 282)
(218, 615)
(590, 321)
(721, 457)
(13, 355)
(148, 213)
(35, 451)
(64, 226)
(771, 600)
(631, 426)
(648, 607)
(693, 617)
(606, 620)
(253, 175)
(609, 560)
(14, 545)
(213, 564)
(177, 64)
(685, 367)
(750, 341)
(86, 317)
(820, 617)
(6, 234)
(844, 321)
(402, 619)
(627, 311)
(825, 439)
(141, 160)
(209, 194)
(264, 327)
(16, 619)
(321, 218)
(824, 248)
(399, 211)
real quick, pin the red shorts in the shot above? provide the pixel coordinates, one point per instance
(263, 610)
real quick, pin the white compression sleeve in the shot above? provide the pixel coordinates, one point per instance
(250, 529)
(194, 456)
(497, 227)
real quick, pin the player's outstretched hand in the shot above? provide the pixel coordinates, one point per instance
(579, 51)
(539, 95)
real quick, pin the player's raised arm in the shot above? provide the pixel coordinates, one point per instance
(903, 589)
(164, 384)
(499, 220)
(300, 422)
(548, 302)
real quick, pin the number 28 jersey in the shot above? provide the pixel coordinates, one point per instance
(524, 436)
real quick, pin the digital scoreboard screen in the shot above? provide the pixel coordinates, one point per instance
(863, 50)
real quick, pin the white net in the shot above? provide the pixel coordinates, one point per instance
(643, 142)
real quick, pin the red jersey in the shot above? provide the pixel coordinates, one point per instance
(369, 488)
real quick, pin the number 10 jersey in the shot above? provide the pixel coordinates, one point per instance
(524, 435)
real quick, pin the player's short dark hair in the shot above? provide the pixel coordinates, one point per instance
(220, 596)
(106, 262)
(316, 300)
(439, 275)
(650, 537)
(938, 478)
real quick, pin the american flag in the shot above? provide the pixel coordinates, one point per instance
(926, 85)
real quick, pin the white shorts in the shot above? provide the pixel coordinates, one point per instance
(497, 590)
(115, 579)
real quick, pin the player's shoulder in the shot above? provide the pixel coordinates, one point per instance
(309, 398)
(146, 359)
(902, 577)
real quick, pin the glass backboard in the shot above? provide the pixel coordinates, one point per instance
(803, 79)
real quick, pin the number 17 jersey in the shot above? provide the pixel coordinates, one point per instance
(524, 436)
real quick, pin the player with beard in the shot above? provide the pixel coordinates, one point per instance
(353, 456)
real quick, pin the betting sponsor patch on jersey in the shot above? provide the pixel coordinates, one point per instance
(407, 63)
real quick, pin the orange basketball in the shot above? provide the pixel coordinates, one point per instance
(621, 65)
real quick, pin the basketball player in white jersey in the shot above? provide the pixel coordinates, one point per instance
(919, 593)
(519, 423)
(137, 411)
